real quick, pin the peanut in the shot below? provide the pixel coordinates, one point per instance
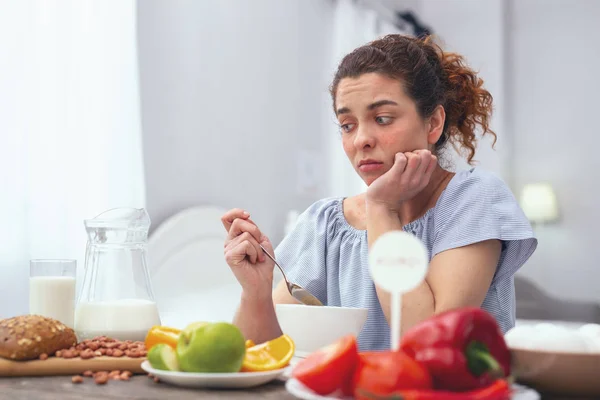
(43, 356)
(117, 353)
(88, 373)
(109, 352)
(77, 379)
(134, 354)
(67, 354)
(86, 354)
(124, 376)
(58, 353)
(123, 347)
(101, 379)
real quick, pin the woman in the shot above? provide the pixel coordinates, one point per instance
(399, 102)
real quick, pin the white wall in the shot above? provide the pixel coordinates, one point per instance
(555, 58)
(232, 98)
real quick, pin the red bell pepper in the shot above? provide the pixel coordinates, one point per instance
(499, 390)
(463, 349)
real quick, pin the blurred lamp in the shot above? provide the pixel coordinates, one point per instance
(538, 201)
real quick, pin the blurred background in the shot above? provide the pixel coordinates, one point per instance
(172, 105)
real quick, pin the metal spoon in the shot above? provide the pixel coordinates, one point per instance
(297, 292)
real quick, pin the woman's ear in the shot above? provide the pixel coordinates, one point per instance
(436, 125)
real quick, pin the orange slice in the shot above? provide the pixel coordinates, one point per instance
(161, 334)
(250, 343)
(268, 356)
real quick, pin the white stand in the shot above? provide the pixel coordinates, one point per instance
(396, 318)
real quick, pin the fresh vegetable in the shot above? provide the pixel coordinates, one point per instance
(463, 349)
(383, 373)
(162, 334)
(499, 390)
(268, 356)
(330, 368)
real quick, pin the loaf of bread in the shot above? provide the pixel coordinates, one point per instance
(27, 337)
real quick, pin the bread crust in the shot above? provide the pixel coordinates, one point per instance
(27, 337)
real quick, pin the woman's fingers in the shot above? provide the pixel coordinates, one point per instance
(238, 252)
(240, 226)
(413, 160)
(231, 215)
(425, 159)
(246, 237)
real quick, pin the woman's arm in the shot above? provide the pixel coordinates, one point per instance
(256, 316)
(456, 278)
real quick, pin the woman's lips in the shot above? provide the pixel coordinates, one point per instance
(370, 167)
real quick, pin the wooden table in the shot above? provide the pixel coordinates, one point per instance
(139, 387)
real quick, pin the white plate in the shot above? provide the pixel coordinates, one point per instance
(300, 391)
(236, 380)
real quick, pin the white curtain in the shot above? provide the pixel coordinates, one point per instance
(70, 143)
(355, 23)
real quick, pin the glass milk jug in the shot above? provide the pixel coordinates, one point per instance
(116, 298)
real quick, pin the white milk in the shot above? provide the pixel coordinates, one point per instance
(53, 297)
(127, 319)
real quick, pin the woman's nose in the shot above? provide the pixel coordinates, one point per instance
(364, 138)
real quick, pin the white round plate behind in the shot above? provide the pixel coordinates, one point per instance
(300, 391)
(237, 380)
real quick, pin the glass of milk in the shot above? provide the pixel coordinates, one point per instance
(52, 289)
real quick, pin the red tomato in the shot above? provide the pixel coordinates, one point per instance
(329, 368)
(383, 373)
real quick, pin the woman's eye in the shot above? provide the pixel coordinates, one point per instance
(383, 120)
(346, 127)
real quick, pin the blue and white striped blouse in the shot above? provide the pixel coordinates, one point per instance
(327, 256)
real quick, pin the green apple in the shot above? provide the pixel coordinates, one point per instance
(188, 329)
(218, 347)
(162, 356)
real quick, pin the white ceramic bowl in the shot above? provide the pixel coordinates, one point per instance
(314, 327)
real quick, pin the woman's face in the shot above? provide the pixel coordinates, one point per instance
(377, 120)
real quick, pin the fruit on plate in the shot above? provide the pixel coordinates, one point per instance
(162, 356)
(383, 373)
(161, 334)
(217, 347)
(330, 368)
(269, 356)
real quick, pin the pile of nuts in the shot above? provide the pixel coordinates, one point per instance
(103, 346)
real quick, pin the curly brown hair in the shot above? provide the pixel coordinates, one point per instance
(431, 77)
